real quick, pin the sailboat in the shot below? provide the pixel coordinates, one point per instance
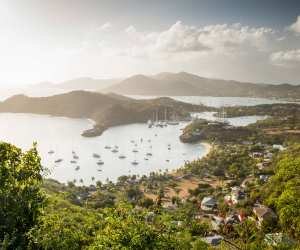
(165, 118)
(96, 155)
(135, 162)
(150, 124)
(100, 163)
(174, 120)
(115, 150)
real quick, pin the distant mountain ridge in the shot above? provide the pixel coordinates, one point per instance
(176, 84)
(83, 83)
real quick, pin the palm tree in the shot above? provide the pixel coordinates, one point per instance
(99, 184)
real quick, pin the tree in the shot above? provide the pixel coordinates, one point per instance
(283, 191)
(126, 229)
(246, 231)
(21, 198)
(65, 226)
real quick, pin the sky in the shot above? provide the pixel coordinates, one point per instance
(56, 40)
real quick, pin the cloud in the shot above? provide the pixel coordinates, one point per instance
(288, 58)
(105, 27)
(295, 27)
(231, 39)
(223, 39)
(130, 29)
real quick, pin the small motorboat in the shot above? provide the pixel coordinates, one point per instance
(135, 163)
(75, 157)
(167, 160)
(100, 163)
(73, 162)
(107, 147)
(99, 170)
(96, 155)
(135, 151)
(114, 150)
(146, 159)
(51, 152)
(149, 154)
(58, 160)
(122, 157)
(150, 124)
(77, 168)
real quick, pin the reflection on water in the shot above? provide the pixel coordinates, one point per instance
(62, 135)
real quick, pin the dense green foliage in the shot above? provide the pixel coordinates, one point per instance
(283, 191)
(20, 196)
(121, 216)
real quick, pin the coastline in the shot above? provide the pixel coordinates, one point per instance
(208, 147)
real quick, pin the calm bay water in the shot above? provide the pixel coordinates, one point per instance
(62, 135)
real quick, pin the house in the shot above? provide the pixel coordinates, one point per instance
(257, 155)
(217, 222)
(263, 213)
(235, 196)
(232, 219)
(268, 155)
(264, 177)
(279, 147)
(208, 203)
(213, 240)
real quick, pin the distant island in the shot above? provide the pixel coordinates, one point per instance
(106, 110)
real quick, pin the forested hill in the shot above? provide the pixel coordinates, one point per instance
(192, 85)
(106, 110)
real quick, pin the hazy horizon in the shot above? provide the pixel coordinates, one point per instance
(55, 41)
